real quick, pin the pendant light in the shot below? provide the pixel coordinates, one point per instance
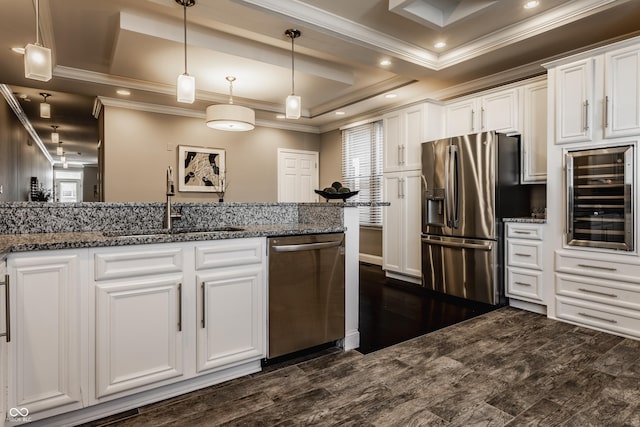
(186, 86)
(45, 108)
(37, 58)
(293, 102)
(55, 136)
(229, 116)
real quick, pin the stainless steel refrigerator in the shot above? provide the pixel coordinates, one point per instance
(470, 183)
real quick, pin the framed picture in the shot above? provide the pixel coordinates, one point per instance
(201, 169)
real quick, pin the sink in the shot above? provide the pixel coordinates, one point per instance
(173, 231)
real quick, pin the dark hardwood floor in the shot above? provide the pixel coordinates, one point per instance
(392, 311)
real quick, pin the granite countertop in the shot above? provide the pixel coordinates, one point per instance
(74, 240)
(526, 219)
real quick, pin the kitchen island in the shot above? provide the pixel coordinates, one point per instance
(109, 312)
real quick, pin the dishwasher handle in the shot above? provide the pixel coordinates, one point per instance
(306, 246)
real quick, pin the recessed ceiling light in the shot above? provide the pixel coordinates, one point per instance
(385, 62)
(439, 45)
(19, 50)
(391, 95)
(339, 113)
(123, 92)
(280, 116)
(531, 4)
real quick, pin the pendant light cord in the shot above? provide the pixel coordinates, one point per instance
(185, 37)
(292, 79)
(38, 23)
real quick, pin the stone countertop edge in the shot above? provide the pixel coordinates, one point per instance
(526, 219)
(11, 243)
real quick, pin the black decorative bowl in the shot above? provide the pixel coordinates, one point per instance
(330, 196)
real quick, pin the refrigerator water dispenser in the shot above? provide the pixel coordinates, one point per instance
(434, 206)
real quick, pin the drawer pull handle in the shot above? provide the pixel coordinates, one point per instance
(522, 232)
(522, 283)
(596, 267)
(179, 307)
(604, 294)
(7, 308)
(524, 255)
(598, 318)
(203, 321)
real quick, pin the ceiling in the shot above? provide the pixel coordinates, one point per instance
(100, 46)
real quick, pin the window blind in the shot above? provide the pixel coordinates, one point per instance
(362, 168)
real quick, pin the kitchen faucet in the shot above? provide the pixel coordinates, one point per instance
(169, 216)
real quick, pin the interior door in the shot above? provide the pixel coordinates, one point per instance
(297, 175)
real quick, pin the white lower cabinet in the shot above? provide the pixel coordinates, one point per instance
(523, 272)
(107, 329)
(598, 291)
(401, 225)
(231, 303)
(45, 369)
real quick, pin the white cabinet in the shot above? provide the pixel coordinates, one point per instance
(598, 96)
(138, 317)
(622, 92)
(598, 291)
(403, 134)
(45, 348)
(492, 111)
(137, 293)
(401, 225)
(534, 132)
(523, 273)
(231, 303)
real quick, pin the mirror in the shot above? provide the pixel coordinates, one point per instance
(72, 117)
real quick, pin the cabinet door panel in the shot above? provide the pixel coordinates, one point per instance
(461, 118)
(622, 90)
(392, 129)
(231, 317)
(534, 133)
(44, 353)
(574, 102)
(412, 217)
(392, 224)
(499, 112)
(411, 150)
(138, 341)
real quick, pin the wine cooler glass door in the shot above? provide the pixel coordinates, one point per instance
(600, 195)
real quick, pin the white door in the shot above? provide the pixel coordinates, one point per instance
(574, 102)
(461, 118)
(69, 191)
(499, 111)
(297, 175)
(622, 90)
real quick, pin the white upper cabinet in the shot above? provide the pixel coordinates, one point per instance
(598, 95)
(494, 111)
(499, 111)
(575, 101)
(622, 92)
(534, 132)
(403, 134)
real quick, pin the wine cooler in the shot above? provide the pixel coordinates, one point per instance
(600, 193)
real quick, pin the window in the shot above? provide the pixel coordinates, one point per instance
(362, 168)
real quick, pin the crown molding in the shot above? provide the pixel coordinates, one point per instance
(186, 112)
(351, 31)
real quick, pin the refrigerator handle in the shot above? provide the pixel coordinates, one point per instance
(451, 187)
(447, 187)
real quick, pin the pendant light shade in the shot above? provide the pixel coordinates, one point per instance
(230, 117)
(293, 104)
(37, 58)
(45, 108)
(55, 136)
(186, 85)
(59, 150)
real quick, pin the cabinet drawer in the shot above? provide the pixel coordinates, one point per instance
(524, 254)
(136, 262)
(228, 253)
(524, 231)
(524, 283)
(601, 316)
(600, 267)
(597, 290)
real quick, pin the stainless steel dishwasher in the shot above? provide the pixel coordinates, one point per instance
(306, 292)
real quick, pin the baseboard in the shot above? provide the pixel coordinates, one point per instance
(529, 306)
(351, 340)
(371, 259)
(410, 279)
